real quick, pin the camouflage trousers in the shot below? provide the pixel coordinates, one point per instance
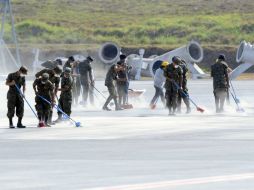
(15, 101)
(65, 102)
(220, 95)
(171, 97)
(43, 108)
(112, 96)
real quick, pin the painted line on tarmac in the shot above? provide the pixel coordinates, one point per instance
(175, 183)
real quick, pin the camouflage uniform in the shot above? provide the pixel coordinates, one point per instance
(76, 84)
(45, 90)
(184, 89)
(87, 79)
(121, 85)
(65, 100)
(15, 100)
(109, 83)
(173, 75)
(55, 80)
(219, 72)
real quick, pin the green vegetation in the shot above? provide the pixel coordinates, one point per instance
(134, 23)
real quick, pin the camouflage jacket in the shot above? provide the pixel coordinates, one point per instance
(111, 76)
(55, 80)
(45, 90)
(66, 85)
(20, 81)
(219, 72)
(185, 72)
(173, 75)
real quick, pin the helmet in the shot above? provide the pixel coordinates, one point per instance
(67, 70)
(222, 57)
(71, 58)
(122, 57)
(45, 77)
(89, 58)
(164, 64)
(176, 60)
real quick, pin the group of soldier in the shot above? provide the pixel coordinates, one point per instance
(73, 79)
(77, 76)
(174, 78)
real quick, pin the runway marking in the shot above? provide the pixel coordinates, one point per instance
(174, 183)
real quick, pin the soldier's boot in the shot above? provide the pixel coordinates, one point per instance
(41, 122)
(11, 126)
(19, 124)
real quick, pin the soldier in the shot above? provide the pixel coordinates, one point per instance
(219, 72)
(159, 80)
(121, 83)
(43, 87)
(111, 77)
(184, 95)
(54, 78)
(173, 84)
(14, 98)
(76, 82)
(69, 62)
(87, 80)
(65, 100)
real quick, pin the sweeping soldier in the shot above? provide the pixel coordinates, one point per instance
(87, 80)
(69, 62)
(76, 82)
(183, 95)
(159, 80)
(122, 81)
(219, 72)
(44, 88)
(65, 100)
(173, 84)
(54, 78)
(110, 80)
(14, 98)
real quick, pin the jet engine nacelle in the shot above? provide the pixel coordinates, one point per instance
(245, 56)
(109, 53)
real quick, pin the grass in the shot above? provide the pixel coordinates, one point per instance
(133, 23)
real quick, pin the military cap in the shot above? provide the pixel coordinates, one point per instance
(45, 76)
(23, 70)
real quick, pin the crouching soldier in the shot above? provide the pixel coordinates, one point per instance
(43, 88)
(65, 100)
(219, 72)
(173, 84)
(14, 98)
(54, 78)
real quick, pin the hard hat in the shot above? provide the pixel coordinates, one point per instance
(164, 64)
